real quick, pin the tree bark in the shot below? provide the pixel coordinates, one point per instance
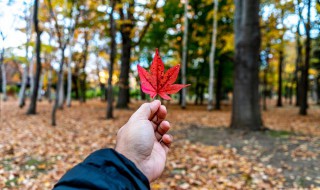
(264, 93)
(75, 80)
(63, 42)
(197, 91)
(297, 65)
(202, 87)
(280, 67)
(22, 91)
(69, 89)
(219, 86)
(184, 56)
(33, 103)
(290, 94)
(31, 76)
(212, 56)
(101, 85)
(49, 84)
(56, 102)
(39, 97)
(125, 68)
(142, 94)
(61, 91)
(4, 77)
(318, 90)
(305, 75)
(127, 43)
(109, 114)
(83, 76)
(246, 110)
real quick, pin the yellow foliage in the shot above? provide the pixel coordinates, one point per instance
(313, 72)
(289, 68)
(104, 76)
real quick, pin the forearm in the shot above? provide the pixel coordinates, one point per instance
(104, 169)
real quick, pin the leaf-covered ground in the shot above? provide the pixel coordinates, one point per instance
(205, 154)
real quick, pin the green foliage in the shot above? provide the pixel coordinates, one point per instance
(12, 89)
(91, 93)
(135, 93)
(279, 134)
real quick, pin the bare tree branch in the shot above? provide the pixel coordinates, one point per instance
(146, 27)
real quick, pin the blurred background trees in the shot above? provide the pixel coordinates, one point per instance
(90, 49)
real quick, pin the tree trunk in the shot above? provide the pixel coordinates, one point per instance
(142, 94)
(290, 94)
(212, 56)
(184, 56)
(124, 98)
(109, 114)
(4, 77)
(265, 88)
(305, 75)
(219, 86)
(318, 90)
(197, 91)
(49, 84)
(202, 87)
(280, 67)
(31, 76)
(101, 85)
(246, 110)
(297, 65)
(83, 76)
(56, 102)
(39, 97)
(61, 91)
(69, 77)
(75, 80)
(33, 103)
(22, 91)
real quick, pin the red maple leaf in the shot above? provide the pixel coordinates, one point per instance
(158, 81)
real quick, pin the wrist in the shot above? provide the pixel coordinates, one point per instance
(132, 158)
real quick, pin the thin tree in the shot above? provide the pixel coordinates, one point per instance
(83, 74)
(184, 55)
(22, 92)
(280, 65)
(62, 46)
(265, 76)
(212, 55)
(3, 68)
(50, 57)
(109, 114)
(39, 97)
(33, 103)
(246, 109)
(304, 78)
(126, 30)
(69, 89)
(298, 63)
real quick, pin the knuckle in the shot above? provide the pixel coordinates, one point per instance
(144, 105)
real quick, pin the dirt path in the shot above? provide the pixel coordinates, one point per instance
(296, 157)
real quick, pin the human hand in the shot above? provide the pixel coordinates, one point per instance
(144, 141)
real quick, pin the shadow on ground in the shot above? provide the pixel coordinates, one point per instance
(295, 156)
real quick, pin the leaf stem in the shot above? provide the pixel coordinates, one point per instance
(157, 97)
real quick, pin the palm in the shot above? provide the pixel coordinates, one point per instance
(144, 140)
(155, 161)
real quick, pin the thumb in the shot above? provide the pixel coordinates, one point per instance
(146, 111)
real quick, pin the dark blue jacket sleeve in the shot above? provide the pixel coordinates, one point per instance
(104, 169)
